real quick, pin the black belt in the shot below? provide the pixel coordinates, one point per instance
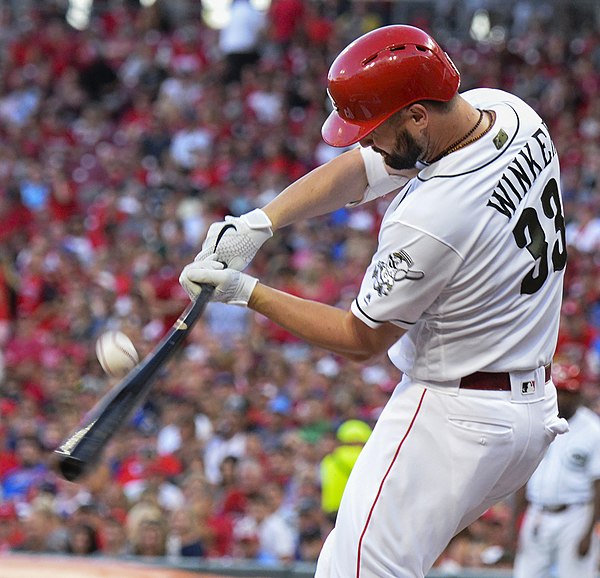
(494, 381)
(558, 508)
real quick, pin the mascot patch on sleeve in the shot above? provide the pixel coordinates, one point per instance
(396, 268)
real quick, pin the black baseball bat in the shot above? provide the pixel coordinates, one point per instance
(83, 448)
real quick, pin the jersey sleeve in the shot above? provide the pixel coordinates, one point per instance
(380, 181)
(406, 275)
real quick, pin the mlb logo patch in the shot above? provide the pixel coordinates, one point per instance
(528, 387)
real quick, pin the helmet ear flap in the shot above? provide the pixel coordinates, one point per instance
(380, 73)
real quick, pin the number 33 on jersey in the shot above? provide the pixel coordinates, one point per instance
(458, 288)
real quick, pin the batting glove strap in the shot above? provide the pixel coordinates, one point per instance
(236, 240)
(231, 286)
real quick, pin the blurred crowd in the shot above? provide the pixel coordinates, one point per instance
(120, 143)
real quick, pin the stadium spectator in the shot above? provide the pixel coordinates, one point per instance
(239, 39)
(11, 534)
(336, 466)
(277, 540)
(112, 536)
(82, 540)
(183, 539)
(20, 482)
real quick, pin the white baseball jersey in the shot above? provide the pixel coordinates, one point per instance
(570, 466)
(472, 253)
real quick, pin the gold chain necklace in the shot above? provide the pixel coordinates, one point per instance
(465, 140)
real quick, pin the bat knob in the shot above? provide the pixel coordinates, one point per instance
(70, 468)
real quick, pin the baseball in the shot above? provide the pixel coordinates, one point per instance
(116, 353)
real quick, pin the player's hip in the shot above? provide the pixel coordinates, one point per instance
(471, 414)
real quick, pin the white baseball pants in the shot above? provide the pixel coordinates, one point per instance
(433, 464)
(551, 540)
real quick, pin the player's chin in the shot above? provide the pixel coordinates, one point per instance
(399, 163)
(405, 155)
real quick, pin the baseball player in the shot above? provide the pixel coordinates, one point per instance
(463, 292)
(563, 494)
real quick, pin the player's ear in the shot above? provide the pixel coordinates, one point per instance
(418, 114)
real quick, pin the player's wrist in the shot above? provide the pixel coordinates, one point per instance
(258, 220)
(244, 290)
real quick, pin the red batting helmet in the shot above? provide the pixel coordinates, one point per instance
(380, 73)
(566, 377)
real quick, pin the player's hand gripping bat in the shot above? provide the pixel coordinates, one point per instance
(83, 448)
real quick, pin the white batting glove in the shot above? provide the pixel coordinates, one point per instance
(231, 286)
(236, 240)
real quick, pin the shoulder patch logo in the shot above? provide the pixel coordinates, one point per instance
(500, 139)
(396, 268)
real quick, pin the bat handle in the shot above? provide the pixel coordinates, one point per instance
(82, 449)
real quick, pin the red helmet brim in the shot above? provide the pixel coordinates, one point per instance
(339, 133)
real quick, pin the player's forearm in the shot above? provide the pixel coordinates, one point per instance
(322, 325)
(323, 190)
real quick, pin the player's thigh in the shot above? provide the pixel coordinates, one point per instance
(324, 562)
(412, 484)
(527, 444)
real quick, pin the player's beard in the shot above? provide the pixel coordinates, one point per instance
(407, 159)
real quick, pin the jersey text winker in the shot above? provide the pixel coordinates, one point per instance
(516, 181)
